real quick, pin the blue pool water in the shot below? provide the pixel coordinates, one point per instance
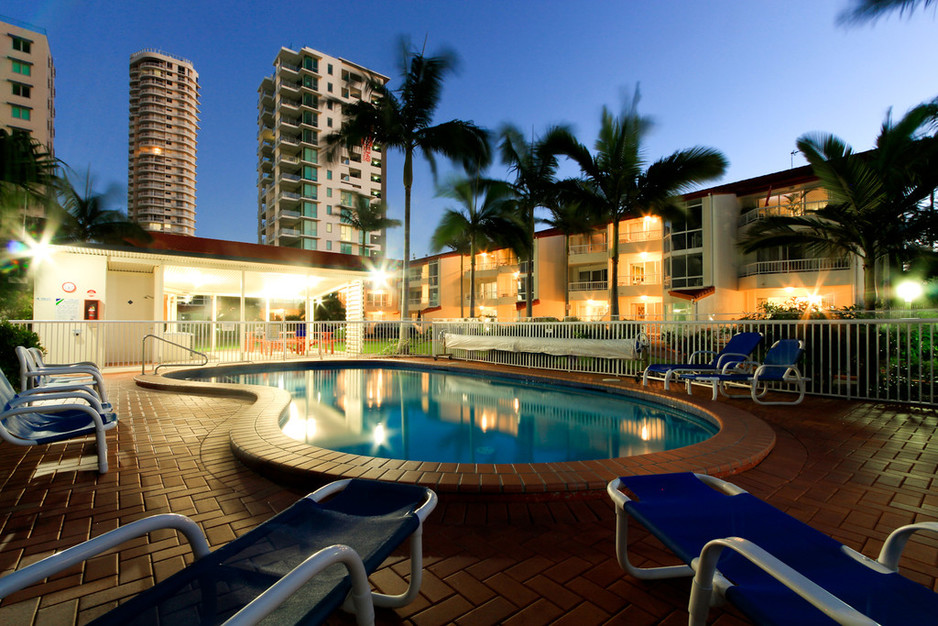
(445, 416)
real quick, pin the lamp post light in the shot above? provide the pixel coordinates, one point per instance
(909, 290)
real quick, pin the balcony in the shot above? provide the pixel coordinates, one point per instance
(786, 210)
(590, 285)
(639, 236)
(635, 280)
(793, 265)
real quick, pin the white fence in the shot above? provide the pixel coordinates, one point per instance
(885, 359)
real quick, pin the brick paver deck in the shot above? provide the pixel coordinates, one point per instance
(852, 470)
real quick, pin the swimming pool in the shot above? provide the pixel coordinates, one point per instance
(436, 415)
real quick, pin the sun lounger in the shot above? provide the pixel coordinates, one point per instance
(285, 569)
(738, 348)
(780, 368)
(772, 567)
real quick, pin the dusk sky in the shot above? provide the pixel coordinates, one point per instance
(744, 77)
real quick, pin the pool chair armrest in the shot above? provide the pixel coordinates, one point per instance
(695, 353)
(37, 394)
(763, 369)
(48, 566)
(327, 491)
(731, 359)
(740, 367)
(280, 591)
(723, 486)
(52, 409)
(705, 569)
(895, 543)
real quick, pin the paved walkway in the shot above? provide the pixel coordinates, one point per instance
(852, 470)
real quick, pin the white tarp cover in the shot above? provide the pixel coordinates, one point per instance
(603, 348)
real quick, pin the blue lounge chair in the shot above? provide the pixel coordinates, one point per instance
(738, 348)
(281, 569)
(780, 367)
(775, 569)
(75, 413)
(33, 374)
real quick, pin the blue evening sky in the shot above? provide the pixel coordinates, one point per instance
(745, 77)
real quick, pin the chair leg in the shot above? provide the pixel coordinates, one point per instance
(101, 445)
(644, 573)
(416, 576)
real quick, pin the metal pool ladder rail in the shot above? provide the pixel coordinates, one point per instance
(143, 354)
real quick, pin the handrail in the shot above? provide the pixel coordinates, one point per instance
(143, 354)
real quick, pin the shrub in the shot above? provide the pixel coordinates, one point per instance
(12, 336)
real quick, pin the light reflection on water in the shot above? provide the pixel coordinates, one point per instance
(466, 419)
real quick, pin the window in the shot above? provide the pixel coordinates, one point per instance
(328, 209)
(329, 68)
(345, 248)
(328, 228)
(309, 191)
(20, 113)
(311, 83)
(309, 210)
(309, 63)
(328, 174)
(329, 122)
(21, 45)
(328, 193)
(345, 233)
(21, 90)
(328, 245)
(329, 87)
(21, 67)
(310, 172)
(311, 155)
(348, 198)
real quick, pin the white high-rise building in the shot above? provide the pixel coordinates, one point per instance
(300, 193)
(164, 122)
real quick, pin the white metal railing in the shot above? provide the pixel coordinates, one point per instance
(645, 279)
(793, 265)
(588, 248)
(640, 235)
(590, 285)
(786, 210)
(867, 359)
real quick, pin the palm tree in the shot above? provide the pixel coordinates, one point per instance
(27, 173)
(460, 245)
(877, 207)
(401, 119)
(486, 217)
(367, 217)
(533, 168)
(618, 186)
(871, 10)
(569, 219)
(85, 218)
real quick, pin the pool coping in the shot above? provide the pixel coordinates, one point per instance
(742, 441)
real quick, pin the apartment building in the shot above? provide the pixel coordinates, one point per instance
(300, 192)
(685, 269)
(164, 124)
(28, 82)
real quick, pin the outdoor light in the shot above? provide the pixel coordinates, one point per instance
(379, 276)
(909, 291)
(789, 289)
(379, 435)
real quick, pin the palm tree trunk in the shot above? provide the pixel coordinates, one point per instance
(462, 295)
(472, 277)
(405, 278)
(365, 243)
(566, 276)
(614, 273)
(529, 277)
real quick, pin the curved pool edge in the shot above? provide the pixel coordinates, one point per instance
(741, 443)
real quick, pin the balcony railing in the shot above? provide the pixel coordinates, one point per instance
(786, 210)
(640, 235)
(647, 279)
(588, 248)
(793, 265)
(590, 285)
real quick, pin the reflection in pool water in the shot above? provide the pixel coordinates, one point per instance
(453, 417)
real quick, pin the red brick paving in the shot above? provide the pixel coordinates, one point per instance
(852, 470)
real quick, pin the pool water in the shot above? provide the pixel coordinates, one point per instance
(443, 416)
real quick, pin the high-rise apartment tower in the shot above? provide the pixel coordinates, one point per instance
(27, 78)
(164, 121)
(301, 193)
